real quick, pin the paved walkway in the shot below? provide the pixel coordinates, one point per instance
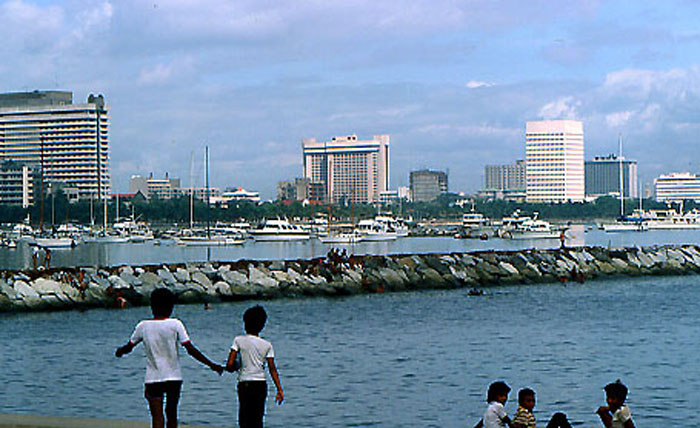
(32, 421)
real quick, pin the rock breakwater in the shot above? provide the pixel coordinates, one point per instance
(85, 287)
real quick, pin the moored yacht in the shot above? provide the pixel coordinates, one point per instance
(279, 230)
(373, 230)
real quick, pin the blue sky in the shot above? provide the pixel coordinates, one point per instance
(452, 82)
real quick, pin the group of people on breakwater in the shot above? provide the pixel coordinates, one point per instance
(616, 414)
(248, 355)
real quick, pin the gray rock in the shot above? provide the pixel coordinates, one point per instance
(222, 288)
(508, 268)
(126, 270)
(202, 279)
(117, 282)
(234, 278)
(182, 275)
(167, 276)
(46, 286)
(8, 291)
(24, 291)
(139, 271)
(150, 278)
(257, 277)
(130, 279)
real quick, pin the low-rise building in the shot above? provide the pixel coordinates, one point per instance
(19, 181)
(677, 187)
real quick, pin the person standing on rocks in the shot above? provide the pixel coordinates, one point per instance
(255, 352)
(160, 336)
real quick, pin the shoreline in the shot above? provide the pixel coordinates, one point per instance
(39, 421)
(123, 286)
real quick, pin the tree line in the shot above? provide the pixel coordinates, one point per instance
(56, 209)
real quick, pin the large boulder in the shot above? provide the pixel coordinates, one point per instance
(258, 277)
(182, 275)
(24, 291)
(167, 276)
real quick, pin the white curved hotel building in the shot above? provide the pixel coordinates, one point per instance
(554, 161)
(45, 128)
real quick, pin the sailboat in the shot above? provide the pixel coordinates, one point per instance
(199, 239)
(339, 236)
(623, 223)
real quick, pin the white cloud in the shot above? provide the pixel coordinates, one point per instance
(562, 108)
(618, 118)
(473, 84)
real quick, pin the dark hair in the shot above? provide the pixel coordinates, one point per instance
(524, 393)
(254, 319)
(617, 390)
(559, 420)
(496, 389)
(162, 302)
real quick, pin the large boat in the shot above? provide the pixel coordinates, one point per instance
(670, 219)
(627, 224)
(533, 229)
(397, 225)
(212, 240)
(338, 237)
(474, 220)
(373, 230)
(56, 242)
(279, 230)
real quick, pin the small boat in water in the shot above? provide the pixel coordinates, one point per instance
(213, 240)
(342, 237)
(56, 242)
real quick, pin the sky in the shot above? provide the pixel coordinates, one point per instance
(452, 82)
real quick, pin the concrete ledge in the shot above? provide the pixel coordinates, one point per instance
(33, 421)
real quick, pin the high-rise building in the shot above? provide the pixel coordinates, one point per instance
(505, 177)
(427, 185)
(603, 176)
(554, 161)
(677, 187)
(62, 139)
(346, 169)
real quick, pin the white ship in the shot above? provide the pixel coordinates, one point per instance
(279, 230)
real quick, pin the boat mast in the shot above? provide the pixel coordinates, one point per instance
(191, 190)
(206, 155)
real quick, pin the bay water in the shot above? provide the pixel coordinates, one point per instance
(95, 254)
(412, 359)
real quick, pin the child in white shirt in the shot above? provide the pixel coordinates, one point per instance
(495, 415)
(160, 336)
(254, 352)
(616, 414)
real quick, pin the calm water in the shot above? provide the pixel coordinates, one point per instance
(146, 253)
(419, 359)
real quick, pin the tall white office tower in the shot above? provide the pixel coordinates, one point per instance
(554, 161)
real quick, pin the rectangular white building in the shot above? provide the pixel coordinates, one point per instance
(348, 169)
(554, 161)
(677, 186)
(69, 143)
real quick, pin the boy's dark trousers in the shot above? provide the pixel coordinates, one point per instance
(251, 403)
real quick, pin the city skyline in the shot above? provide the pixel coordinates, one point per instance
(451, 83)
